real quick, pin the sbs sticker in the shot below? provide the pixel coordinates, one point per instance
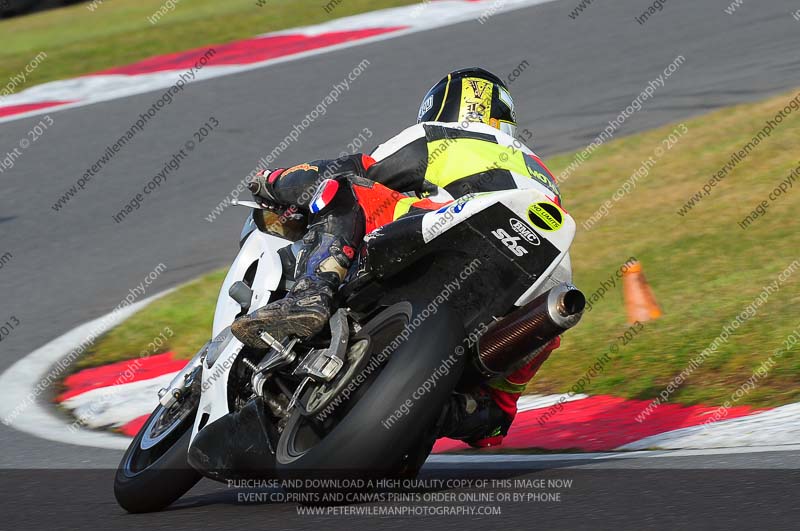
(512, 242)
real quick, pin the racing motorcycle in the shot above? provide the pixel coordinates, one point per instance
(435, 303)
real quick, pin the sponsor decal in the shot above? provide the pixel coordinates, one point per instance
(425, 107)
(476, 99)
(306, 167)
(455, 209)
(458, 205)
(539, 176)
(546, 216)
(537, 172)
(534, 262)
(478, 87)
(512, 242)
(524, 230)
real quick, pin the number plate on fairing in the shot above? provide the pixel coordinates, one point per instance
(527, 226)
(505, 231)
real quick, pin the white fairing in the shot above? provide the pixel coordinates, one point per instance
(261, 248)
(258, 248)
(560, 270)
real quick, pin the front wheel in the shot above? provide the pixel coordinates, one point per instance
(414, 363)
(154, 472)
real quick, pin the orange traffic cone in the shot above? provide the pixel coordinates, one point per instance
(640, 303)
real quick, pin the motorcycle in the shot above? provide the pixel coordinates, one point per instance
(435, 303)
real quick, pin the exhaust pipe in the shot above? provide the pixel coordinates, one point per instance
(522, 333)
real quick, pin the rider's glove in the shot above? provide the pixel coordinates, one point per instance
(260, 185)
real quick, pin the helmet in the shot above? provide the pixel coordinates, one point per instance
(470, 95)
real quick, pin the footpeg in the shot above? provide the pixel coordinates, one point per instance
(280, 356)
(325, 364)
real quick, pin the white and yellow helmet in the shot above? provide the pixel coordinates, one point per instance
(470, 95)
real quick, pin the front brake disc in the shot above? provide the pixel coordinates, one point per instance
(319, 396)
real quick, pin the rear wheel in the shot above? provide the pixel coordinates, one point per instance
(154, 472)
(395, 400)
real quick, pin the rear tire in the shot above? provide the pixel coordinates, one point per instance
(150, 479)
(372, 439)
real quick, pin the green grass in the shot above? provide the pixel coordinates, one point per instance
(78, 41)
(188, 312)
(702, 267)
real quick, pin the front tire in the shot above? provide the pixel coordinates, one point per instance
(154, 471)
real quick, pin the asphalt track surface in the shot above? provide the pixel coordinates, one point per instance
(74, 265)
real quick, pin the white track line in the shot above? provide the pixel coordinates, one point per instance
(19, 381)
(529, 402)
(430, 22)
(777, 426)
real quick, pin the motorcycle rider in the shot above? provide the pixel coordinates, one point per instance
(463, 143)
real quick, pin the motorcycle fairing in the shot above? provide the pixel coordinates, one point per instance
(260, 249)
(519, 202)
(258, 259)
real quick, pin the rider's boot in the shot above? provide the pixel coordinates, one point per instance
(482, 418)
(321, 266)
(474, 418)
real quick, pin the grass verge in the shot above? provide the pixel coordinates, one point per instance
(77, 40)
(703, 267)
